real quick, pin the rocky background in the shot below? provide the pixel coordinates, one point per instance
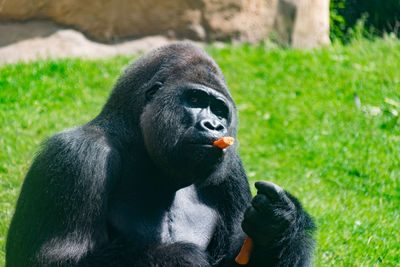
(300, 23)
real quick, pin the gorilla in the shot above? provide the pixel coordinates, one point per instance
(142, 185)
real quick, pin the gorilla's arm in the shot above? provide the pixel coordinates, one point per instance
(280, 228)
(274, 219)
(61, 212)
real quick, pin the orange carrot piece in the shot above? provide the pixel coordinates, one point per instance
(244, 255)
(224, 142)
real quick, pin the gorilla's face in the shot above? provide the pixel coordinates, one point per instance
(179, 124)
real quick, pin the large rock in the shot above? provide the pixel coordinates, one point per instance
(109, 20)
(311, 27)
(205, 20)
(51, 42)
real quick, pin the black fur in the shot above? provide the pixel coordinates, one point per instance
(141, 185)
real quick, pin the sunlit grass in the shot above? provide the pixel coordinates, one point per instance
(300, 127)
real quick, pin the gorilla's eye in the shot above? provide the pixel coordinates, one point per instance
(193, 99)
(220, 109)
(197, 98)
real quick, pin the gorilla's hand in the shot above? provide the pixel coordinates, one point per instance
(270, 214)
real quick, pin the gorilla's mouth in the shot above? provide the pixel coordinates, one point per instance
(205, 146)
(194, 138)
(201, 145)
(204, 154)
(203, 141)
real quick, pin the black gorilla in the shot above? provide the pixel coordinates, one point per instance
(141, 184)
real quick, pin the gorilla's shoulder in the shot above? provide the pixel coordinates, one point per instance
(83, 133)
(79, 142)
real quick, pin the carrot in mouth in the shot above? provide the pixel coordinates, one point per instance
(224, 142)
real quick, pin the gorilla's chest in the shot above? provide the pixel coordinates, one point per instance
(186, 218)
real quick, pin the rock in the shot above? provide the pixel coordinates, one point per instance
(311, 27)
(241, 20)
(115, 20)
(71, 43)
(284, 21)
(302, 23)
(305, 23)
(12, 32)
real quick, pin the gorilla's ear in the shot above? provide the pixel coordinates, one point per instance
(152, 90)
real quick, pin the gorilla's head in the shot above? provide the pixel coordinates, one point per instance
(179, 104)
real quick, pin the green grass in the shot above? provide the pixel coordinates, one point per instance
(299, 127)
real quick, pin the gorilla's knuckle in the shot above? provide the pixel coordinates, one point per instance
(261, 203)
(260, 198)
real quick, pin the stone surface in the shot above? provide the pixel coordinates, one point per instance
(53, 42)
(114, 20)
(243, 20)
(39, 28)
(311, 28)
(284, 21)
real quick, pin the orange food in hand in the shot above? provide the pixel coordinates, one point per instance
(244, 255)
(224, 142)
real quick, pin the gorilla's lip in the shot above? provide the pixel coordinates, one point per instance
(202, 144)
(208, 147)
(205, 146)
(203, 141)
(193, 137)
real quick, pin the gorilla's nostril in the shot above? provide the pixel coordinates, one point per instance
(219, 127)
(211, 125)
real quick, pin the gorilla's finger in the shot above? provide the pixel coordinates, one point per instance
(261, 203)
(250, 213)
(271, 190)
(252, 221)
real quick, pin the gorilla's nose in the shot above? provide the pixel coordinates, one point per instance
(211, 125)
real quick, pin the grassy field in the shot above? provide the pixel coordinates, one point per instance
(301, 127)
